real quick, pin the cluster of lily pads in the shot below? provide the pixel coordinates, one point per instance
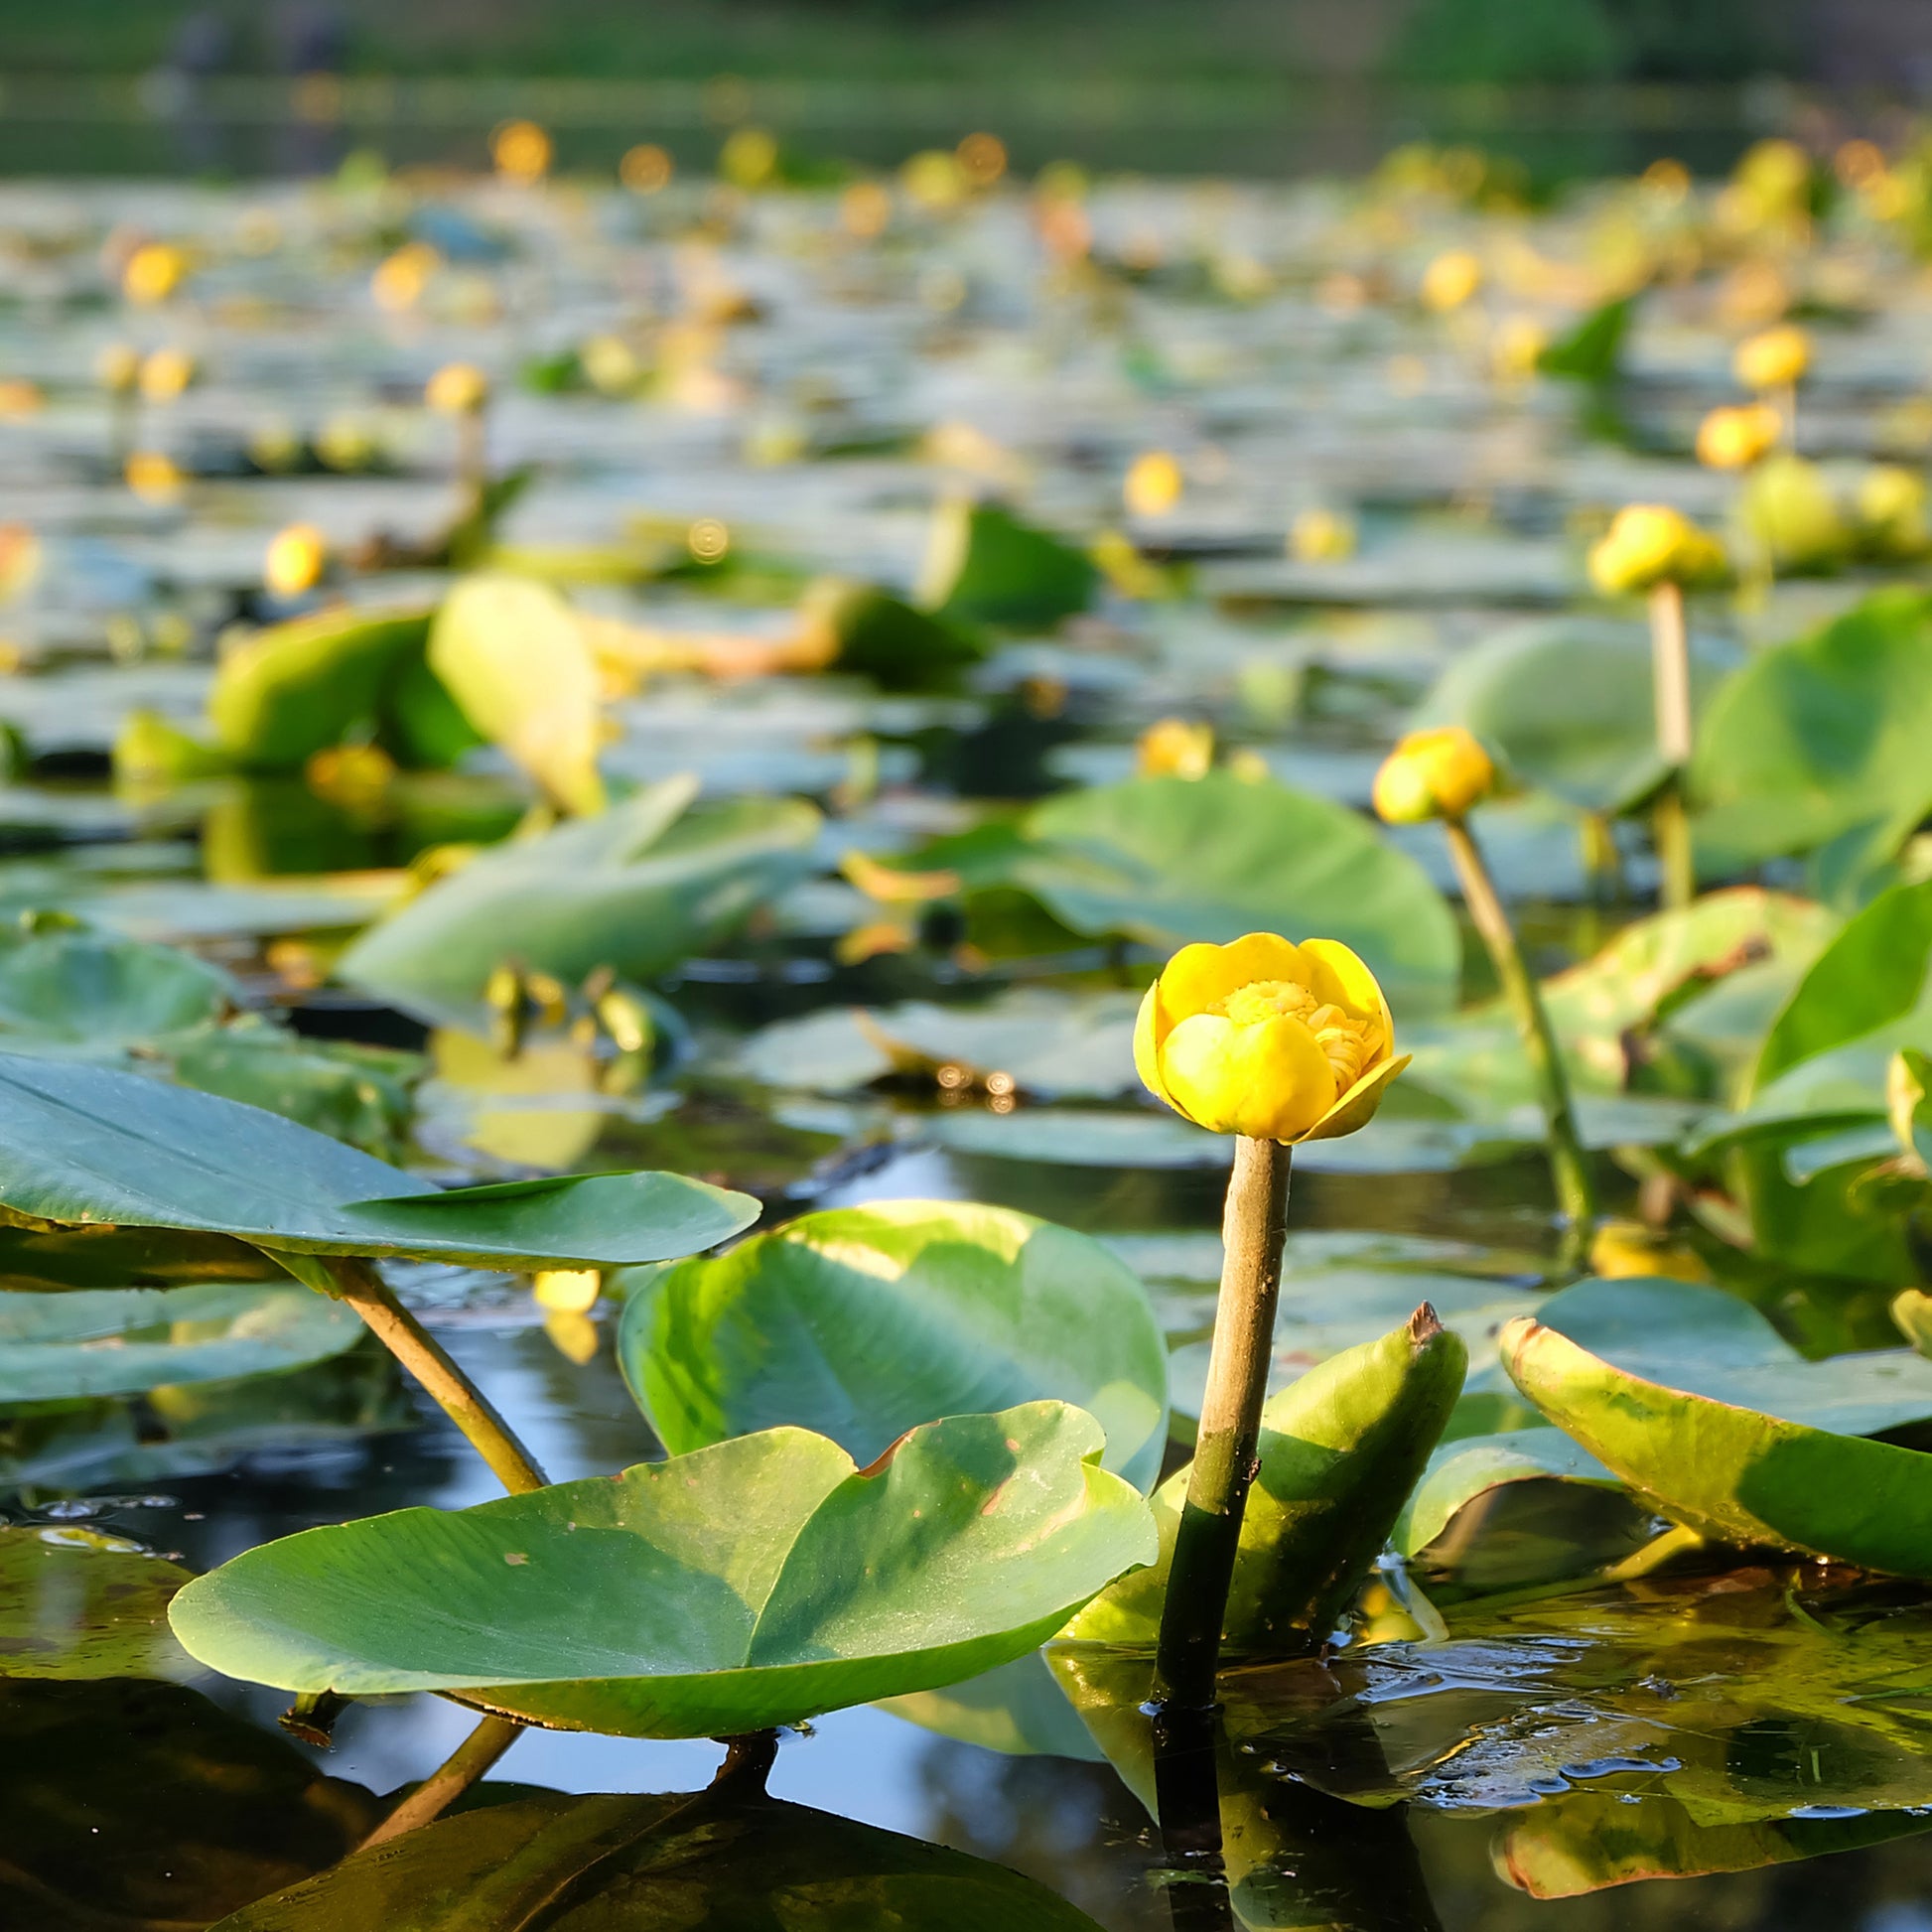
(729, 845)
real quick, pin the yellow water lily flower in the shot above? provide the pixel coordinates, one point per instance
(1321, 536)
(1267, 1040)
(1650, 544)
(295, 560)
(457, 388)
(1439, 773)
(1175, 747)
(153, 273)
(1449, 280)
(1774, 359)
(1154, 484)
(1733, 438)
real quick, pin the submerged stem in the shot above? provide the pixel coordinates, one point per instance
(465, 1405)
(450, 1780)
(1253, 1229)
(1670, 654)
(1575, 1192)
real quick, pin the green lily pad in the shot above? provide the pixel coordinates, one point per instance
(76, 1605)
(1872, 973)
(985, 566)
(357, 1094)
(1340, 1450)
(1730, 1473)
(88, 1144)
(1568, 703)
(1169, 860)
(123, 1342)
(878, 637)
(515, 660)
(658, 1863)
(755, 1582)
(298, 688)
(637, 889)
(143, 1805)
(1018, 1709)
(86, 988)
(1816, 738)
(862, 1323)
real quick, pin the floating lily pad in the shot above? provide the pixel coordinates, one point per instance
(1816, 738)
(86, 988)
(637, 889)
(87, 1145)
(515, 660)
(1568, 703)
(862, 1323)
(123, 1342)
(752, 1584)
(1170, 860)
(658, 1864)
(985, 566)
(76, 1605)
(1732, 1474)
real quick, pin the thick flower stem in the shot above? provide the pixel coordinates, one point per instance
(1253, 1229)
(1670, 654)
(471, 1760)
(465, 1405)
(1576, 1193)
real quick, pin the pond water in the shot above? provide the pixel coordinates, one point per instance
(724, 392)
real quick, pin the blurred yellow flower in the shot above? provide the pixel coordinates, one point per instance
(1153, 485)
(1650, 544)
(1439, 773)
(457, 388)
(1175, 747)
(934, 180)
(521, 150)
(864, 210)
(1267, 1040)
(399, 280)
(567, 1290)
(1736, 437)
(295, 560)
(154, 478)
(1622, 1249)
(1450, 280)
(1321, 536)
(1517, 347)
(1774, 359)
(19, 397)
(166, 373)
(1890, 505)
(153, 273)
(982, 159)
(350, 775)
(610, 364)
(749, 158)
(646, 168)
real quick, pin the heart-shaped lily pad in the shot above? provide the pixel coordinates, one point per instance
(84, 1145)
(755, 1582)
(862, 1323)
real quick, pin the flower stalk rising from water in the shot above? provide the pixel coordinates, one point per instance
(1275, 1044)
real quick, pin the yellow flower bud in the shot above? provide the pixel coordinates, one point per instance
(1154, 484)
(166, 374)
(153, 273)
(749, 158)
(1321, 536)
(1268, 1040)
(521, 150)
(1650, 544)
(567, 1290)
(153, 477)
(296, 560)
(1175, 748)
(1891, 511)
(1449, 280)
(1774, 359)
(457, 388)
(1735, 437)
(1438, 773)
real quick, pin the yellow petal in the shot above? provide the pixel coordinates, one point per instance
(1197, 976)
(1336, 975)
(1270, 1080)
(1356, 1108)
(1146, 1053)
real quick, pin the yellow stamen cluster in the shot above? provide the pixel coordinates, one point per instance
(1344, 1041)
